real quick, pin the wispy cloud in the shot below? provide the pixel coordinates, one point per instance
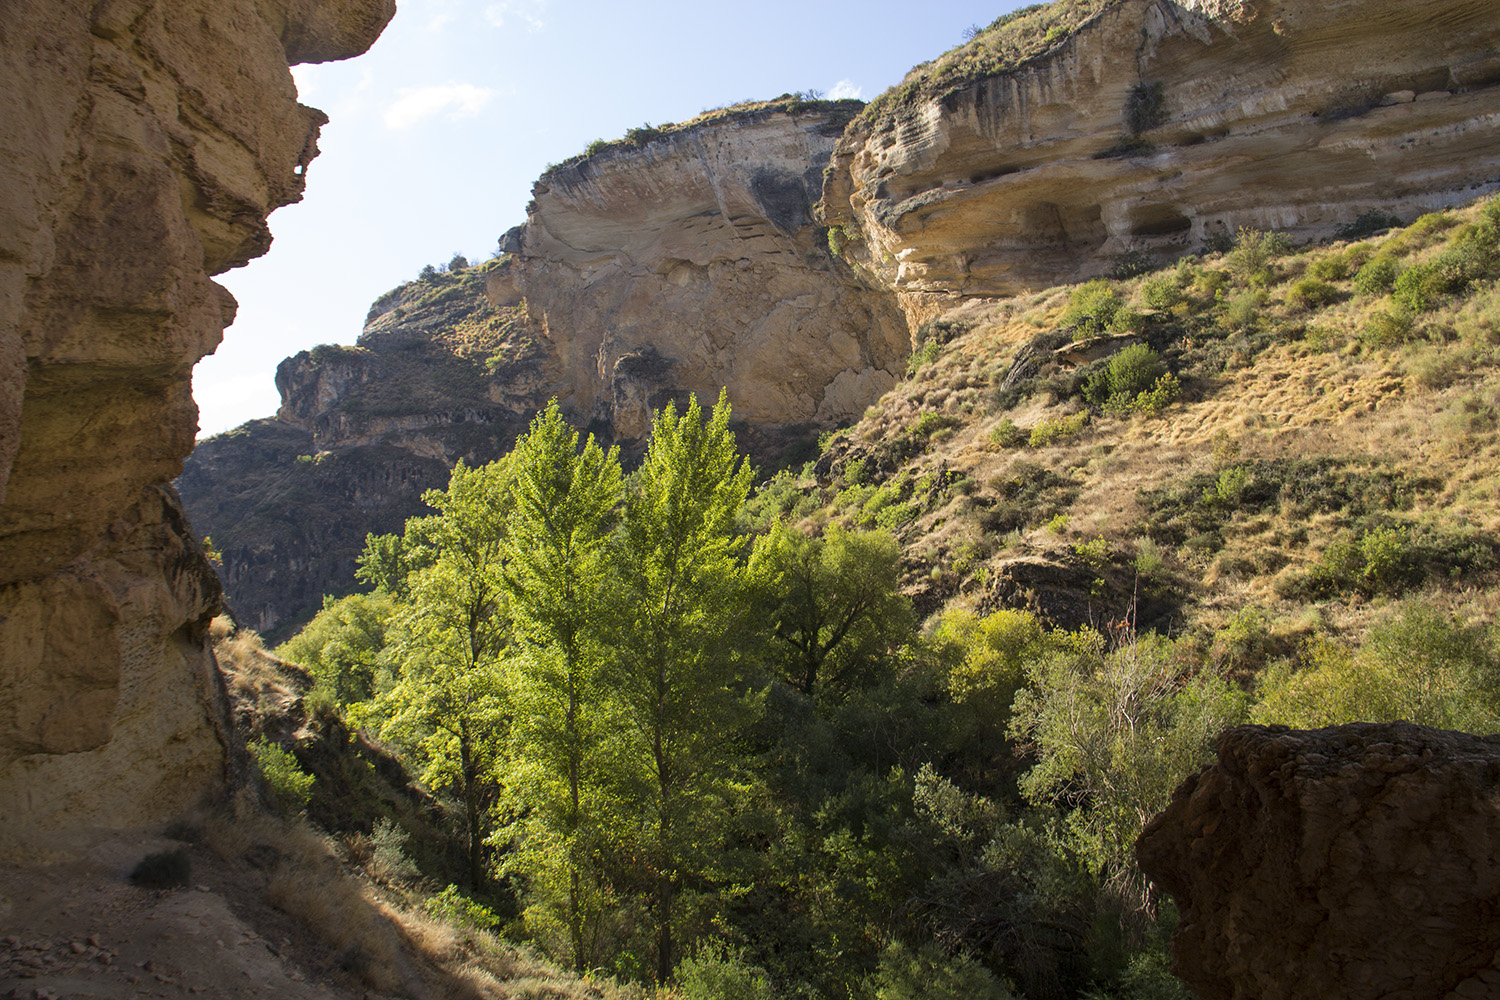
(527, 12)
(458, 100)
(845, 89)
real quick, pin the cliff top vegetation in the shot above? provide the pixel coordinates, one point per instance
(838, 112)
(1003, 46)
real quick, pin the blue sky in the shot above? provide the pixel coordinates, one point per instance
(438, 132)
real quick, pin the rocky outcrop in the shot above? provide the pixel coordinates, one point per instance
(144, 143)
(438, 375)
(692, 262)
(1161, 125)
(1355, 862)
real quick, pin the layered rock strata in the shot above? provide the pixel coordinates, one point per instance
(693, 262)
(1159, 126)
(144, 143)
(1356, 862)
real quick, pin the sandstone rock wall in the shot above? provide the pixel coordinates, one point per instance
(693, 262)
(144, 142)
(1161, 125)
(1354, 862)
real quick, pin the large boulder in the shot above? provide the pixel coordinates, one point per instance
(1356, 862)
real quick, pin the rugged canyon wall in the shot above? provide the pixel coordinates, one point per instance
(1354, 862)
(1159, 126)
(144, 143)
(439, 374)
(692, 261)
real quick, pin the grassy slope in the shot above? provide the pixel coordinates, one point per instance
(1329, 451)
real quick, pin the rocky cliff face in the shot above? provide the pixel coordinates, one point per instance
(144, 145)
(1354, 862)
(692, 262)
(439, 374)
(1158, 126)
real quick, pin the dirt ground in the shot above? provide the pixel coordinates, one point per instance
(75, 927)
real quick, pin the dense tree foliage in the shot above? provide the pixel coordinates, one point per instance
(737, 764)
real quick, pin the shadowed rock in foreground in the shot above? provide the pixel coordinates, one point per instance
(142, 146)
(1358, 861)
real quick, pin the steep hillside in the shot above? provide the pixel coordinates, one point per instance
(439, 374)
(1291, 431)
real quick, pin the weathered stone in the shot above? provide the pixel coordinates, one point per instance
(144, 143)
(1274, 116)
(1358, 862)
(699, 250)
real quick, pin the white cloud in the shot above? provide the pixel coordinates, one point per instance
(459, 100)
(845, 89)
(527, 12)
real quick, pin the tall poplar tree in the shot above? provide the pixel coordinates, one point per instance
(681, 571)
(564, 505)
(447, 639)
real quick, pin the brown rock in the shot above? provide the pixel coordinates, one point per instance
(144, 143)
(1356, 862)
(1273, 115)
(694, 262)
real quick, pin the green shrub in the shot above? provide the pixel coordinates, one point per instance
(929, 423)
(290, 786)
(1006, 434)
(1376, 276)
(454, 907)
(1048, 432)
(719, 972)
(1092, 307)
(925, 973)
(1334, 267)
(922, 356)
(1252, 261)
(1416, 288)
(1388, 328)
(1161, 395)
(1310, 293)
(1420, 665)
(1161, 292)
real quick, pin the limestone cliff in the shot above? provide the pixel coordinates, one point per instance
(144, 143)
(1351, 862)
(1157, 126)
(439, 374)
(691, 261)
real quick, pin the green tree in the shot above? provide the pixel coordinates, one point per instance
(831, 605)
(681, 599)
(445, 706)
(343, 644)
(388, 560)
(564, 505)
(1114, 732)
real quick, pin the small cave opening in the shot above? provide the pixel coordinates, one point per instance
(1158, 220)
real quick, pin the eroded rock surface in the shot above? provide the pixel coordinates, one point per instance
(144, 143)
(1161, 125)
(1358, 861)
(693, 262)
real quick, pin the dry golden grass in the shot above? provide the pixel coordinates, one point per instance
(1319, 386)
(383, 938)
